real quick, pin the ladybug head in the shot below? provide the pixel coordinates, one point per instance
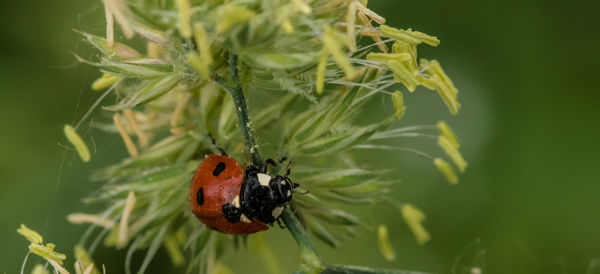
(282, 189)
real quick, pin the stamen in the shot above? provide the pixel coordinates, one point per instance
(398, 102)
(453, 153)
(106, 80)
(403, 74)
(447, 132)
(124, 223)
(118, 9)
(383, 147)
(409, 36)
(414, 218)
(400, 57)
(131, 148)
(132, 121)
(31, 235)
(82, 218)
(110, 26)
(385, 247)
(185, 15)
(376, 17)
(376, 35)
(47, 252)
(350, 21)
(446, 170)
(330, 40)
(57, 267)
(78, 143)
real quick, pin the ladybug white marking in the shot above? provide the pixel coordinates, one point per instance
(245, 219)
(236, 201)
(263, 179)
(277, 211)
(289, 193)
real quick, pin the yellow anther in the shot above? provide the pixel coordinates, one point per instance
(185, 15)
(30, 235)
(106, 80)
(447, 132)
(414, 218)
(446, 169)
(78, 143)
(385, 247)
(453, 153)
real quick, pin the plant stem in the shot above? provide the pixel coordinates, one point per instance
(350, 269)
(297, 230)
(290, 220)
(237, 94)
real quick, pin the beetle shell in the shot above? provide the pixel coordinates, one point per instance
(216, 187)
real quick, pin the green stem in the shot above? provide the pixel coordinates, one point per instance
(290, 220)
(296, 229)
(237, 94)
(350, 269)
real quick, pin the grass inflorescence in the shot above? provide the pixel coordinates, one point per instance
(305, 69)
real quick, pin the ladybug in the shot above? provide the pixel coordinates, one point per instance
(229, 200)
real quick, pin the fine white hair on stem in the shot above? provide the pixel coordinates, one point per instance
(385, 147)
(25, 262)
(405, 134)
(379, 89)
(369, 63)
(375, 44)
(95, 105)
(407, 129)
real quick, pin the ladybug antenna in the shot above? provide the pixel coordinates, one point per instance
(303, 193)
(214, 143)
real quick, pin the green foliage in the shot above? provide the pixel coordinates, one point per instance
(307, 72)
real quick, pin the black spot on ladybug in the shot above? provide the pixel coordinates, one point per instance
(218, 169)
(200, 196)
(231, 213)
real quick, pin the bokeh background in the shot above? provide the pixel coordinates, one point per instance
(527, 73)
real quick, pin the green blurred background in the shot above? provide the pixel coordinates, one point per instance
(527, 73)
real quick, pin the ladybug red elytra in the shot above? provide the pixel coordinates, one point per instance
(229, 200)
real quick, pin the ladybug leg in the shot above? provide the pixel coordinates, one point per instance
(267, 163)
(214, 143)
(279, 223)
